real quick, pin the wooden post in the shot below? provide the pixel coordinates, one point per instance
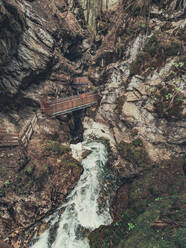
(22, 145)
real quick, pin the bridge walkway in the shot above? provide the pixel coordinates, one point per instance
(68, 104)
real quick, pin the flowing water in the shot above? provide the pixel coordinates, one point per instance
(81, 210)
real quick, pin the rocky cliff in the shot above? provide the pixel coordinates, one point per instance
(134, 54)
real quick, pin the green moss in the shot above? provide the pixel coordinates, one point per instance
(70, 163)
(137, 142)
(157, 48)
(148, 234)
(29, 170)
(134, 152)
(152, 45)
(168, 102)
(173, 49)
(157, 195)
(56, 147)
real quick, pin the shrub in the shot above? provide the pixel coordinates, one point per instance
(157, 48)
(168, 102)
(134, 152)
(70, 163)
(57, 148)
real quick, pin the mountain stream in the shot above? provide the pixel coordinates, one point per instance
(81, 210)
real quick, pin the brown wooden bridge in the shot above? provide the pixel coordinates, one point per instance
(68, 104)
(50, 108)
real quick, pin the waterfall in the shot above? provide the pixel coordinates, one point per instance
(81, 212)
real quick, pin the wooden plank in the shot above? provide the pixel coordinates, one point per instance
(70, 98)
(9, 144)
(9, 141)
(22, 132)
(34, 121)
(30, 133)
(70, 103)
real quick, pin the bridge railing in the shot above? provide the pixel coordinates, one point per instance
(26, 133)
(68, 104)
(69, 98)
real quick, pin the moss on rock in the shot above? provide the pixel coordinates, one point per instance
(134, 152)
(157, 49)
(155, 213)
(168, 102)
(160, 226)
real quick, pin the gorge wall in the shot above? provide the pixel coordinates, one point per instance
(134, 55)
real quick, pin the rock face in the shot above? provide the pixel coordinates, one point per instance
(31, 40)
(36, 43)
(93, 10)
(143, 111)
(27, 46)
(33, 184)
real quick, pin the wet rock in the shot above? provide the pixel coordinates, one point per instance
(79, 152)
(120, 202)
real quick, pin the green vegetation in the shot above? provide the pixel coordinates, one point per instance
(160, 226)
(136, 66)
(168, 101)
(7, 182)
(134, 152)
(70, 162)
(155, 213)
(131, 226)
(29, 170)
(157, 49)
(57, 148)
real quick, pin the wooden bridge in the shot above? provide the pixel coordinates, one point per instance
(50, 108)
(68, 104)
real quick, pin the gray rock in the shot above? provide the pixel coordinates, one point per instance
(26, 47)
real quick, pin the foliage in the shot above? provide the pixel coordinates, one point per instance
(131, 226)
(134, 152)
(161, 225)
(57, 148)
(152, 196)
(157, 48)
(168, 101)
(29, 170)
(7, 182)
(69, 162)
